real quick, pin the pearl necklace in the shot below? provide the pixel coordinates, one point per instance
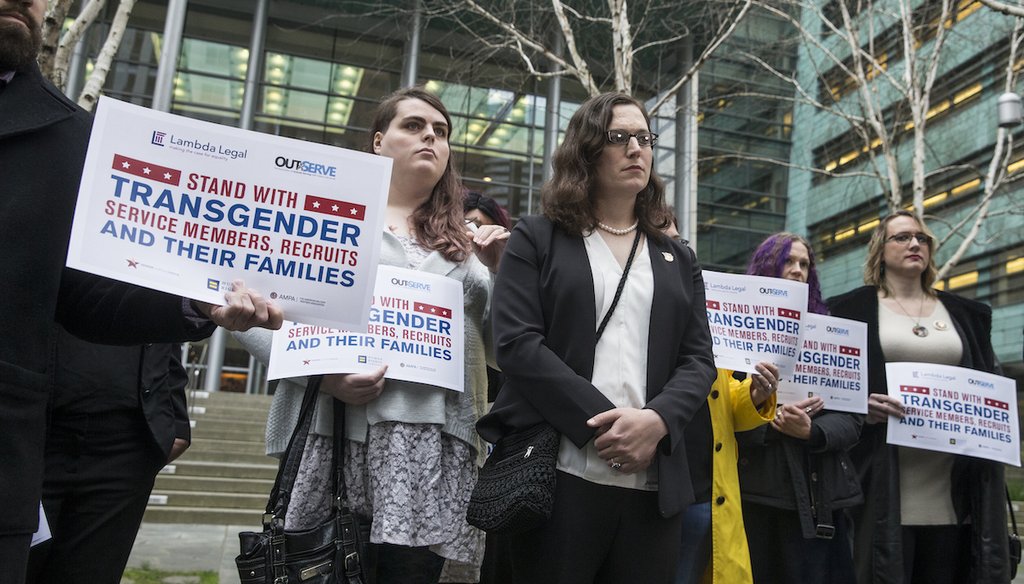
(615, 231)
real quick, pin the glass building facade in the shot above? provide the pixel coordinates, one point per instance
(325, 65)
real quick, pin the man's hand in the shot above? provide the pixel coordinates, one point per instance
(244, 308)
(627, 437)
(355, 388)
(177, 449)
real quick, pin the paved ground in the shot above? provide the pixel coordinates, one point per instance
(180, 547)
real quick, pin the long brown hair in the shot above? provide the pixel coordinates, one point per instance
(438, 223)
(874, 265)
(567, 196)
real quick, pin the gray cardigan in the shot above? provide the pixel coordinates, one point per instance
(400, 401)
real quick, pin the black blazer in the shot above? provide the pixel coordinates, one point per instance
(43, 138)
(543, 313)
(149, 379)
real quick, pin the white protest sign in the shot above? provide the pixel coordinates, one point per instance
(955, 410)
(416, 329)
(832, 364)
(754, 319)
(186, 206)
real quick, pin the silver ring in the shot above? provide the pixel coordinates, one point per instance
(616, 465)
(808, 410)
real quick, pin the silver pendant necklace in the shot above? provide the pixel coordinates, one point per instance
(919, 329)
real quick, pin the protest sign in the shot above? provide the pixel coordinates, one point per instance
(754, 319)
(955, 410)
(832, 363)
(416, 329)
(186, 206)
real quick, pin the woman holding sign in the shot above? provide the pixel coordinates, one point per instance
(619, 393)
(927, 516)
(795, 475)
(412, 453)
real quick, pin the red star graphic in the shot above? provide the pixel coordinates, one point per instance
(133, 263)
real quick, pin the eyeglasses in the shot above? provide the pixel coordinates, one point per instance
(904, 238)
(644, 139)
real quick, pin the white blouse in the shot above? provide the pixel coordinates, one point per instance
(620, 358)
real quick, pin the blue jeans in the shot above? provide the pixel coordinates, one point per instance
(696, 550)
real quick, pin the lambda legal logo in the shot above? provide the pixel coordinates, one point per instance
(158, 137)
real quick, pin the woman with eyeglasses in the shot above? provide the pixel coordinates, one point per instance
(927, 517)
(620, 394)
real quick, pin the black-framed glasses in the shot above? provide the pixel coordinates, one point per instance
(644, 139)
(904, 238)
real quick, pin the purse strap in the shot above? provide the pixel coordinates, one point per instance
(1009, 509)
(622, 284)
(288, 469)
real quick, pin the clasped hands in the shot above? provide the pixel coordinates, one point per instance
(627, 438)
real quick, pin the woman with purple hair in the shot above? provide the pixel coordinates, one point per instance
(796, 477)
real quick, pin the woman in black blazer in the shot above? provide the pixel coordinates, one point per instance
(620, 402)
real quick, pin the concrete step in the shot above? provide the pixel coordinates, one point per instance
(226, 432)
(222, 421)
(228, 446)
(193, 454)
(173, 482)
(224, 415)
(203, 468)
(203, 516)
(252, 501)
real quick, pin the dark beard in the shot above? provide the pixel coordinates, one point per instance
(18, 49)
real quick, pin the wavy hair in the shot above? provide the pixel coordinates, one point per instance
(567, 196)
(438, 223)
(769, 259)
(874, 264)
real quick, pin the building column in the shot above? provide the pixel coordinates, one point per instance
(411, 66)
(686, 149)
(554, 105)
(254, 69)
(174, 27)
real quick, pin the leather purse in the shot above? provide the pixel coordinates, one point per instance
(515, 489)
(333, 552)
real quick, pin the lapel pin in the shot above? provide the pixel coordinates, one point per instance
(668, 257)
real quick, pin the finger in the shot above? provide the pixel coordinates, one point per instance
(606, 418)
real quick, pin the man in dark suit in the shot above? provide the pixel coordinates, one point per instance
(117, 416)
(43, 139)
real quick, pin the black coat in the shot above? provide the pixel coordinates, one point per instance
(783, 472)
(149, 379)
(43, 139)
(978, 485)
(543, 312)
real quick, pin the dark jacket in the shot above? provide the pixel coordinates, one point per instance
(148, 379)
(813, 477)
(544, 323)
(43, 139)
(978, 495)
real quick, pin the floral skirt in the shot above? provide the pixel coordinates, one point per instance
(413, 480)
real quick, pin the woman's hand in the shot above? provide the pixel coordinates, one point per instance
(627, 437)
(488, 243)
(795, 419)
(355, 388)
(881, 406)
(763, 383)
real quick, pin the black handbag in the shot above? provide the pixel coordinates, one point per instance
(1014, 538)
(515, 490)
(333, 552)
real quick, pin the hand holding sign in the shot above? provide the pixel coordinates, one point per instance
(881, 406)
(243, 309)
(355, 388)
(795, 419)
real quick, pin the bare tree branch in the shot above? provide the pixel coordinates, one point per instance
(1008, 9)
(62, 58)
(102, 66)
